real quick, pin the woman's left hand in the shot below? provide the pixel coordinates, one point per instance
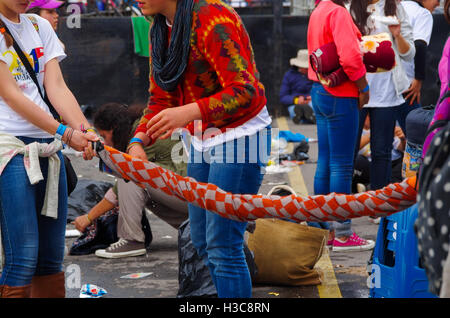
(413, 91)
(395, 30)
(166, 121)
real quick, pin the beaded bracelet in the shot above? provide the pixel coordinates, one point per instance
(69, 136)
(133, 144)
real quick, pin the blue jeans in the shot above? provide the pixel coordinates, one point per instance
(220, 241)
(337, 126)
(382, 124)
(33, 244)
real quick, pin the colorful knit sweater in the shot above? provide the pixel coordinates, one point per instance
(221, 74)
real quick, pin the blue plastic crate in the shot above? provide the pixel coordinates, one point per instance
(396, 259)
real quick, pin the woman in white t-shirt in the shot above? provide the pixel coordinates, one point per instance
(33, 189)
(421, 19)
(386, 104)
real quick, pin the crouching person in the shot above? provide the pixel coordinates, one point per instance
(116, 124)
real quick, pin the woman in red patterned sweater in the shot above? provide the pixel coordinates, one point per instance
(203, 77)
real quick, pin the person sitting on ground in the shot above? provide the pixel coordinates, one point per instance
(116, 123)
(295, 90)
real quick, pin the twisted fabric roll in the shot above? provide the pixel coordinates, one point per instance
(245, 207)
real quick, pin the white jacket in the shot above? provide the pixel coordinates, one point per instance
(11, 146)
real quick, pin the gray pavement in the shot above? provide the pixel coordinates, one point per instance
(162, 258)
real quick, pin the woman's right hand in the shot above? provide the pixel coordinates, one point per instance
(137, 151)
(363, 99)
(79, 140)
(362, 85)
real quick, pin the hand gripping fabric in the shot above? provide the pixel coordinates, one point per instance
(244, 207)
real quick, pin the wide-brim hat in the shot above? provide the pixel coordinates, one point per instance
(301, 60)
(45, 4)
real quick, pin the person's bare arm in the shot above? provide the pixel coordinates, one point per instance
(362, 83)
(14, 97)
(61, 97)
(65, 103)
(83, 221)
(402, 44)
(365, 139)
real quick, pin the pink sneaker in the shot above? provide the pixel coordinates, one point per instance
(330, 239)
(353, 243)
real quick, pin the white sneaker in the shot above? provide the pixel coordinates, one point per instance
(360, 188)
(374, 220)
(122, 248)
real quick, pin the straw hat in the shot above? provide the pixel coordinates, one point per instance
(302, 59)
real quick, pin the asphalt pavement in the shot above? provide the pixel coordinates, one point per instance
(343, 273)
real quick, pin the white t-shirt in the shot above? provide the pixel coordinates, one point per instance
(251, 127)
(39, 48)
(421, 21)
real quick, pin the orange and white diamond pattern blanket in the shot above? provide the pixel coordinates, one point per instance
(245, 207)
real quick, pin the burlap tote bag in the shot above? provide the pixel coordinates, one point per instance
(285, 252)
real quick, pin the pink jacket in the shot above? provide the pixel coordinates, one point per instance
(443, 67)
(442, 110)
(328, 23)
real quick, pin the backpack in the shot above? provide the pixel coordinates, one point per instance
(432, 226)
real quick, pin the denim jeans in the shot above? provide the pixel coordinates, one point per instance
(220, 241)
(337, 126)
(33, 244)
(382, 124)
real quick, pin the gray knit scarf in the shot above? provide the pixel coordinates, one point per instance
(170, 61)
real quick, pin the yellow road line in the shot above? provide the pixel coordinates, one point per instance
(296, 180)
(329, 287)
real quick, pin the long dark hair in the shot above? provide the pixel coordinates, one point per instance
(8, 38)
(358, 9)
(340, 2)
(446, 10)
(120, 119)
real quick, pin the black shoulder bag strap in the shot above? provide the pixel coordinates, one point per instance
(32, 74)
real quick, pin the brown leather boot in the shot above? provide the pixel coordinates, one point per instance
(48, 286)
(15, 292)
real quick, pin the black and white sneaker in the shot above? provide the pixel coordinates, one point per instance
(122, 248)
